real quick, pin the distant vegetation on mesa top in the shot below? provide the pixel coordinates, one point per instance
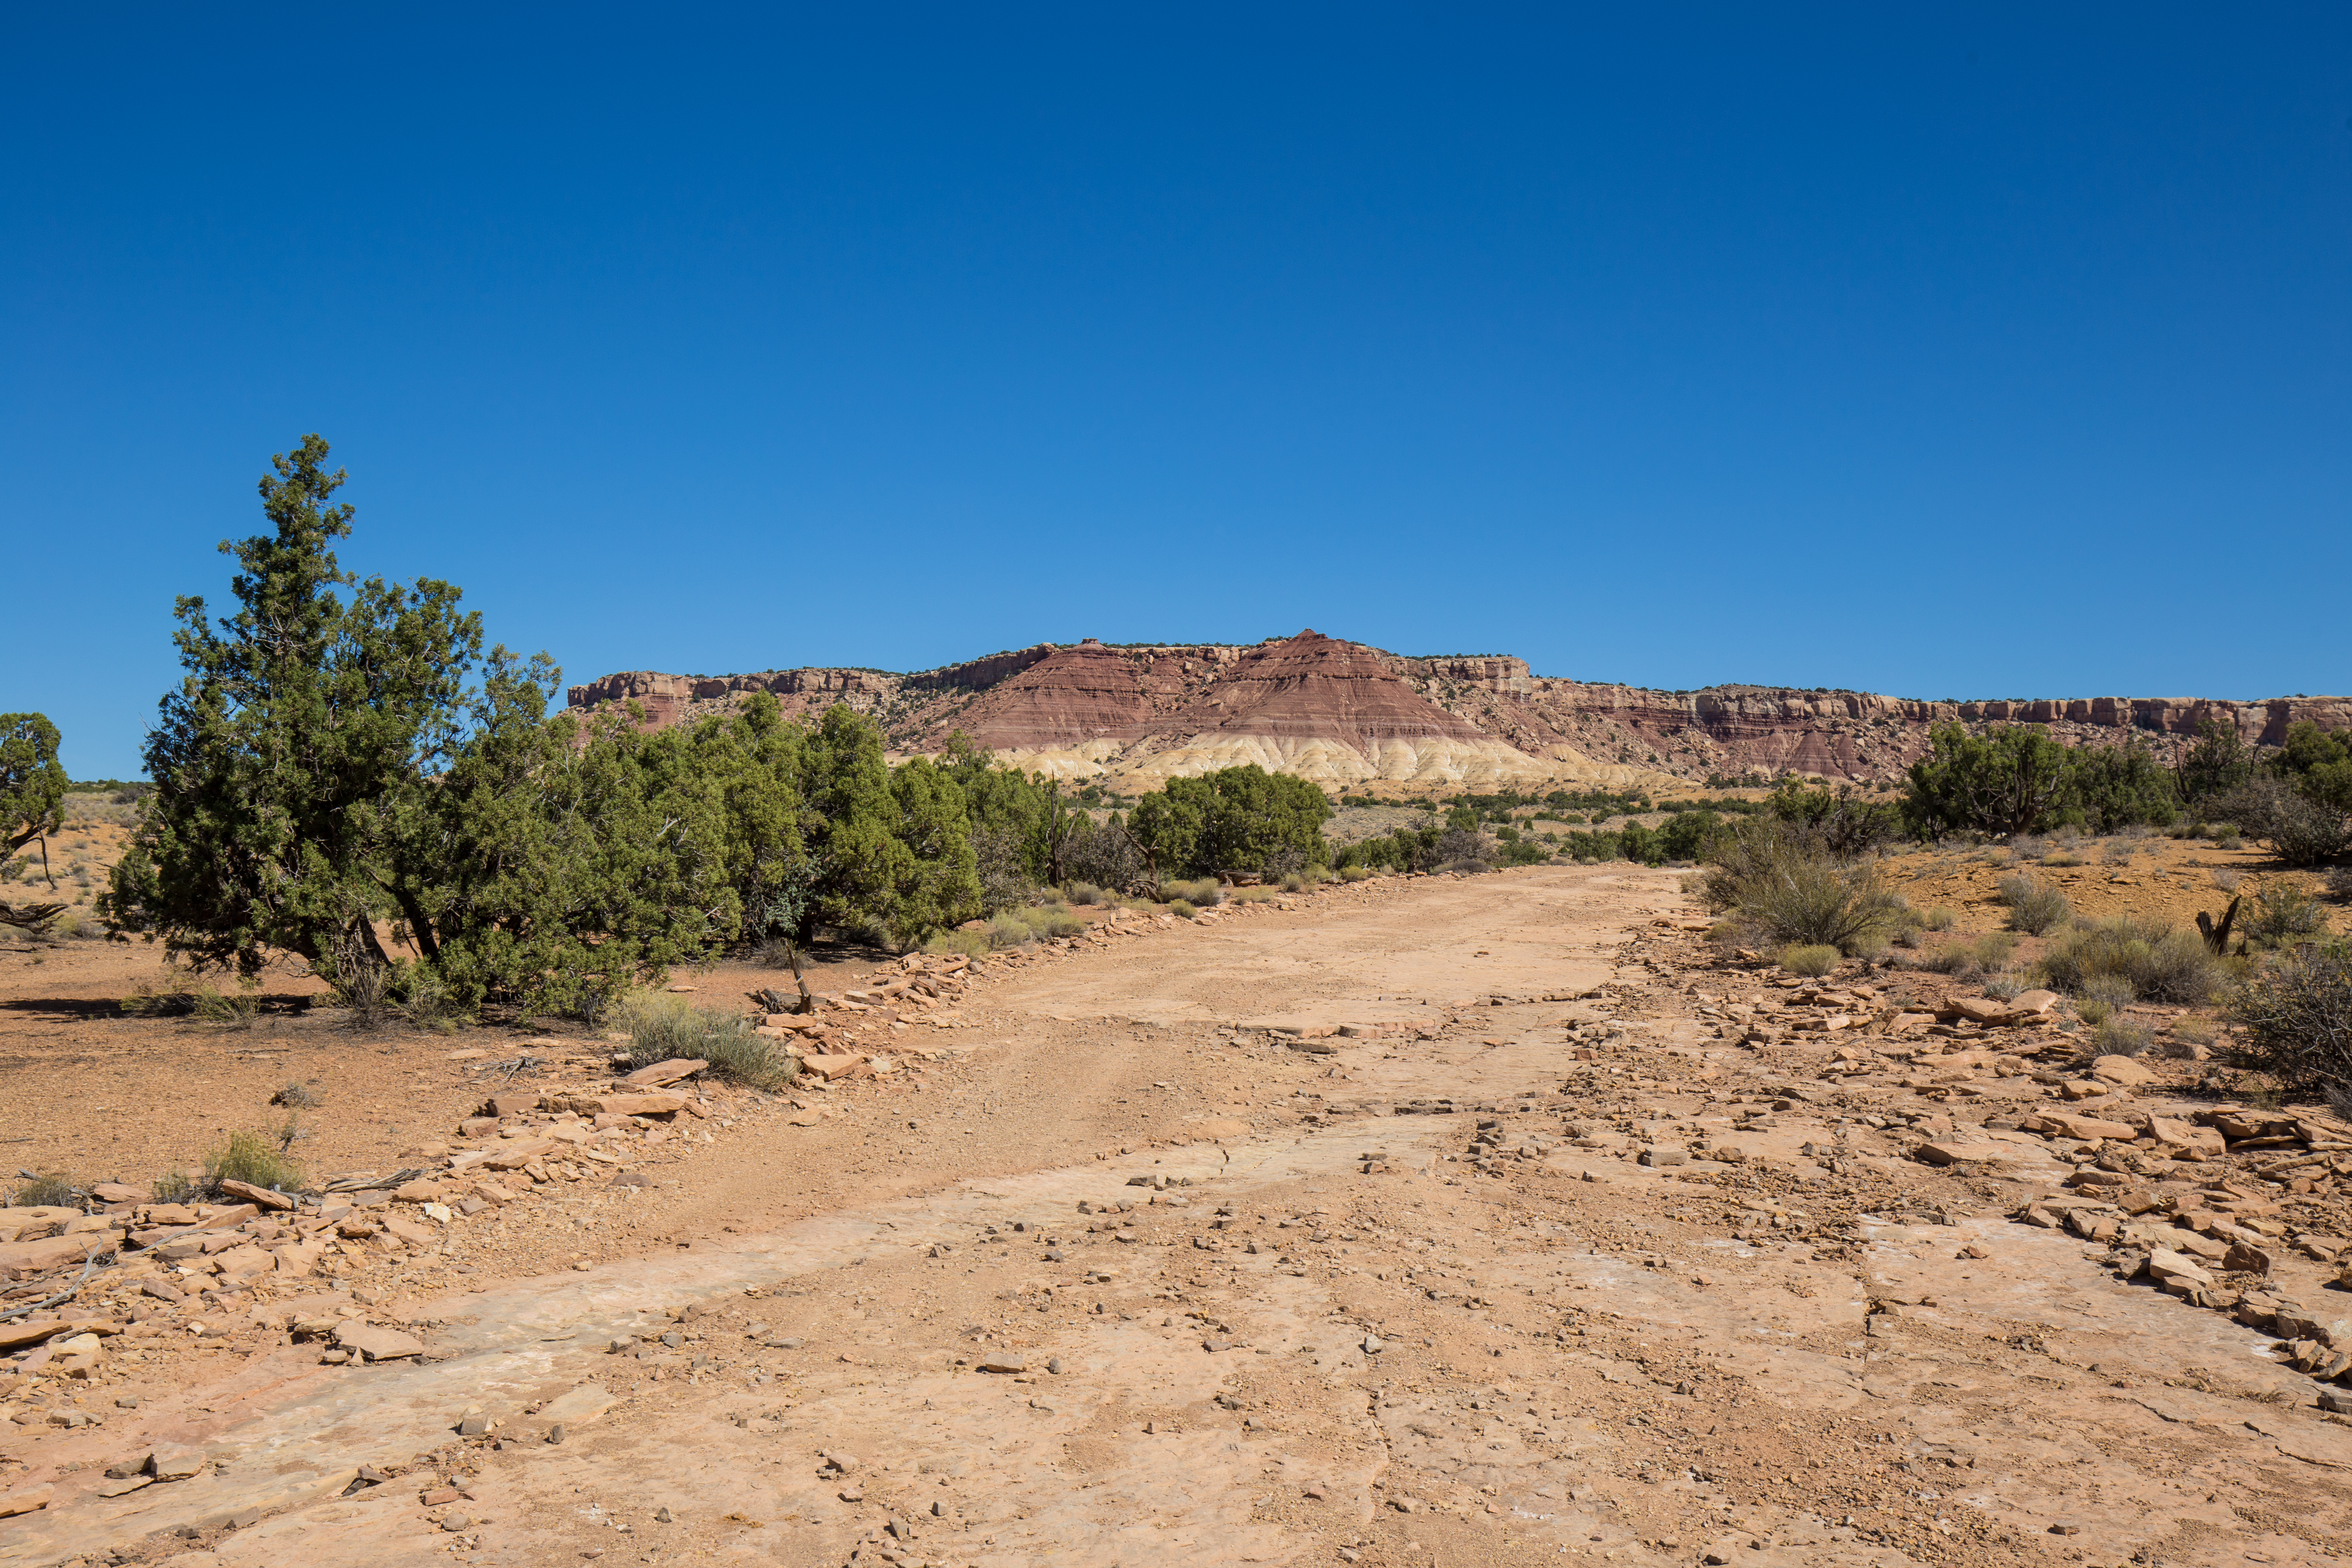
(1343, 712)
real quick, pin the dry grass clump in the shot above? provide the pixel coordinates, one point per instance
(1357, 874)
(2161, 962)
(2035, 907)
(2120, 1037)
(665, 1028)
(47, 1189)
(1181, 908)
(1809, 959)
(1964, 957)
(1085, 893)
(1206, 893)
(257, 1159)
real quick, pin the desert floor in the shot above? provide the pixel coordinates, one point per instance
(1423, 1220)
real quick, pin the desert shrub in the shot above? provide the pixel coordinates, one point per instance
(2284, 915)
(47, 1189)
(2299, 827)
(2162, 962)
(1843, 823)
(667, 1028)
(1085, 893)
(2339, 883)
(2035, 907)
(1355, 873)
(2003, 986)
(2192, 1031)
(2227, 880)
(1812, 959)
(2117, 851)
(2227, 836)
(1206, 892)
(1007, 929)
(1053, 922)
(172, 1187)
(296, 1095)
(257, 1159)
(1936, 917)
(1257, 895)
(970, 943)
(1775, 877)
(2120, 1037)
(1181, 908)
(2295, 1012)
(2060, 857)
(1294, 883)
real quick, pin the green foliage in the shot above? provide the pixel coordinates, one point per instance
(2035, 907)
(1236, 819)
(2109, 788)
(1690, 835)
(1642, 845)
(2218, 762)
(2009, 780)
(258, 1159)
(1812, 959)
(1776, 877)
(1843, 822)
(2295, 1013)
(2161, 962)
(31, 782)
(303, 736)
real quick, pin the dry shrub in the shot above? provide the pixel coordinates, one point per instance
(1812, 959)
(47, 1189)
(1181, 908)
(2162, 962)
(257, 1159)
(1776, 879)
(2282, 915)
(1085, 893)
(2035, 907)
(2120, 1037)
(2296, 1013)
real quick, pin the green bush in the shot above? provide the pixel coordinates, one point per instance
(2294, 1015)
(1235, 819)
(2035, 907)
(1774, 876)
(1085, 893)
(1809, 959)
(257, 1159)
(1356, 874)
(1181, 908)
(2162, 962)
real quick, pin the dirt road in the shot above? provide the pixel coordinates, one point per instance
(1160, 1266)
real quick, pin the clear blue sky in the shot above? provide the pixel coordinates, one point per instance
(1952, 351)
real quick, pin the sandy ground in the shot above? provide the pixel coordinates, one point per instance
(1254, 1290)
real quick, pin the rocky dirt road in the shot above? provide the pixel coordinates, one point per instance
(1454, 1222)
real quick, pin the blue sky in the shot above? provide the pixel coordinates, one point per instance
(1959, 351)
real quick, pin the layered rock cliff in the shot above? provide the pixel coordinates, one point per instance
(1343, 713)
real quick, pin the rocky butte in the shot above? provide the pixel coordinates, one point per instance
(1343, 713)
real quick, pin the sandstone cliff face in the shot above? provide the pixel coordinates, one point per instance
(1343, 713)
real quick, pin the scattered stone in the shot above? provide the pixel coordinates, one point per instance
(1002, 1362)
(660, 1075)
(377, 1344)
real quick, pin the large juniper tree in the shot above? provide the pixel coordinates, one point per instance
(299, 743)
